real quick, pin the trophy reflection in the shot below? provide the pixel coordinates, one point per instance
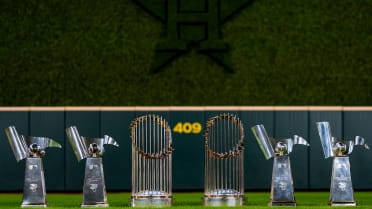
(33, 149)
(94, 189)
(341, 193)
(282, 192)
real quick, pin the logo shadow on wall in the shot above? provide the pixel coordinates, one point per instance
(192, 24)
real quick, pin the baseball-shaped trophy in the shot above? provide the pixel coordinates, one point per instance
(151, 162)
(224, 161)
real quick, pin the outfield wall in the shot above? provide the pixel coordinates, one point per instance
(64, 173)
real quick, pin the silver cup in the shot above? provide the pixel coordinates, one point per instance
(224, 161)
(94, 189)
(282, 192)
(33, 149)
(151, 162)
(341, 192)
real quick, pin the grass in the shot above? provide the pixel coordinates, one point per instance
(316, 200)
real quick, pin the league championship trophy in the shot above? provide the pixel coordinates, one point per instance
(33, 149)
(282, 192)
(224, 161)
(341, 193)
(94, 189)
(152, 150)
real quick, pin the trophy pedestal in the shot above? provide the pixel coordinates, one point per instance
(94, 190)
(342, 193)
(151, 198)
(229, 201)
(34, 194)
(151, 201)
(97, 205)
(282, 204)
(282, 183)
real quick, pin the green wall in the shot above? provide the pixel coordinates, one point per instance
(288, 52)
(64, 173)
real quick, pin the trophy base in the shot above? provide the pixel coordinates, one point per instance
(155, 202)
(294, 204)
(342, 204)
(282, 192)
(98, 205)
(34, 194)
(342, 193)
(224, 201)
(94, 189)
(34, 205)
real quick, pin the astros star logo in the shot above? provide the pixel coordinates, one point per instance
(192, 24)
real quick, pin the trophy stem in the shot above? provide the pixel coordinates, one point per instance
(282, 183)
(94, 190)
(342, 193)
(34, 194)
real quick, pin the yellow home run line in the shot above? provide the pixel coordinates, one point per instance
(187, 108)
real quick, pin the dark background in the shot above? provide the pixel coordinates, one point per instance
(288, 52)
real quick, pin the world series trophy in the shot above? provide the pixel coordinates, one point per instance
(282, 192)
(33, 149)
(94, 189)
(342, 193)
(224, 161)
(151, 162)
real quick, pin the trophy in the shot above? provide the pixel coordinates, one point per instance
(33, 149)
(224, 161)
(151, 162)
(94, 189)
(341, 193)
(282, 193)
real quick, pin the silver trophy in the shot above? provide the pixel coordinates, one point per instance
(341, 193)
(282, 193)
(33, 149)
(151, 162)
(224, 161)
(94, 189)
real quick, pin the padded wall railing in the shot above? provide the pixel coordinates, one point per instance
(64, 173)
